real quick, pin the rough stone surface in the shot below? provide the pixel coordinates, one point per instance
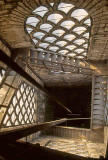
(80, 147)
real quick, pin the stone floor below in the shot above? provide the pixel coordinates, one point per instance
(80, 147)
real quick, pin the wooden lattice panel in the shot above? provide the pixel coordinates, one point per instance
(22, 109)
(60, 28)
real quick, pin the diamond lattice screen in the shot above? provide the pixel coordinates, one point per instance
(22, 109)
(2, 109)
(60, 28)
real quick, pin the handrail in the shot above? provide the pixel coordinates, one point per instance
(72, 119)
(20, 132)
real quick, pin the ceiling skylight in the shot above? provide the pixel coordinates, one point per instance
(50, 39)
(29, 30)
(58, 32)
(79, 41)
(61, 43)
(72, 54)
(79, 50)
(87, 22)
(38, 35)
(35, 41)
(85, 45)
(63, 52)
(71, 47)
(79, 14)
(86, 35)
(65, 7)
(60, 28)
(54, 48)
(33, 21)
(55, 18)
(69, 37)
(43, 45)
(46, 27)
(68, 24)
(79, 30)
(52, 4)
(41, 11)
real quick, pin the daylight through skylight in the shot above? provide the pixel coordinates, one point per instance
(63, 29)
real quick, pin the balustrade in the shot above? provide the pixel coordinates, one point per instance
(61, 62)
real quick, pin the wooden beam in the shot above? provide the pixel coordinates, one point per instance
(20, 132)
(74, 119)
(13, 65)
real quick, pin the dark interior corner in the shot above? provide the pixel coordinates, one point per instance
(77, 99)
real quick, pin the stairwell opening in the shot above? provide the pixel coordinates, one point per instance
(77, 99)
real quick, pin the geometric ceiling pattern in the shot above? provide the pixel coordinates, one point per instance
(60, 28)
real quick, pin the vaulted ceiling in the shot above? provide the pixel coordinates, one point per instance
(13, 15)
(63, 29)
(68, 27)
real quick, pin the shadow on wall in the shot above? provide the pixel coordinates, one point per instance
(77, 99)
